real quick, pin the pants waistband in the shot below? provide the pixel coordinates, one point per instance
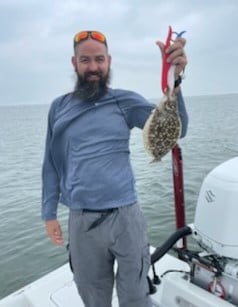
(100, 210)
(106, 210)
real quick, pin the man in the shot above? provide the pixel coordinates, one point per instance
(87, 168)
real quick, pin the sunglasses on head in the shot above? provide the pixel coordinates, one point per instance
(83, 35)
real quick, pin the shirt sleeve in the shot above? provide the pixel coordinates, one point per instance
(50, 179)
(137, 109)
(182, 114)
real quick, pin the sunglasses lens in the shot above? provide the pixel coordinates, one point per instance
(80, 36)
(98, 36)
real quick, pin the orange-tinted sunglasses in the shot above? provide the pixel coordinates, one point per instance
(83, 35)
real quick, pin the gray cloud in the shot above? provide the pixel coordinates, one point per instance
(36, 44)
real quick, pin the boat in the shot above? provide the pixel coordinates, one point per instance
(179, 277)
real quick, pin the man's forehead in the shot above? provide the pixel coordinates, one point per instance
(90, 46)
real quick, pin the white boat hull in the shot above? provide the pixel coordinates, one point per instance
(58, 289)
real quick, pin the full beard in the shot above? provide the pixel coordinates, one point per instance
(89, 91)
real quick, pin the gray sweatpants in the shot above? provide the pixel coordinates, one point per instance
(121, 236)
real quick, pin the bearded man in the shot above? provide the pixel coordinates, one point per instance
(87, 168)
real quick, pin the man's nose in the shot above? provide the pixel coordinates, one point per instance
(93, 66)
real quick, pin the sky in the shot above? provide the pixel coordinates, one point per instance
(36, 45)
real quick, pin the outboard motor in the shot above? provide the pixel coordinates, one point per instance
(216, 231)
(214, 265)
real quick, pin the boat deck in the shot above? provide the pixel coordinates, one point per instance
(57, 289)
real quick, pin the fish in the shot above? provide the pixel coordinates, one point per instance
(162, 128)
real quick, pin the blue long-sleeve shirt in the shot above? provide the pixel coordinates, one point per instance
(86, 163)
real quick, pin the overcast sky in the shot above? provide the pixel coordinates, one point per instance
(36, 45)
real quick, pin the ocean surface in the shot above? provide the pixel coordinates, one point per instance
(25, 251)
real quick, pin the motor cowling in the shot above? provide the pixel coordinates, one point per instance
(216, 216)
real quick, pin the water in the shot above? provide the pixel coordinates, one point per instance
(25, 251)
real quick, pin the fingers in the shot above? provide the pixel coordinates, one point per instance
(54, 231)
(176, 51)
(176, 54)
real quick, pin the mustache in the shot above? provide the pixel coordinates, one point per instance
(91, 90)
(92, 73)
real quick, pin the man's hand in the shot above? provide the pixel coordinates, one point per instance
(54, 231)
(176, 53)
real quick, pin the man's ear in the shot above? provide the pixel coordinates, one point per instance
(73, 60)
(109, 60)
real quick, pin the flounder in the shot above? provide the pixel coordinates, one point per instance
(163, 128)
